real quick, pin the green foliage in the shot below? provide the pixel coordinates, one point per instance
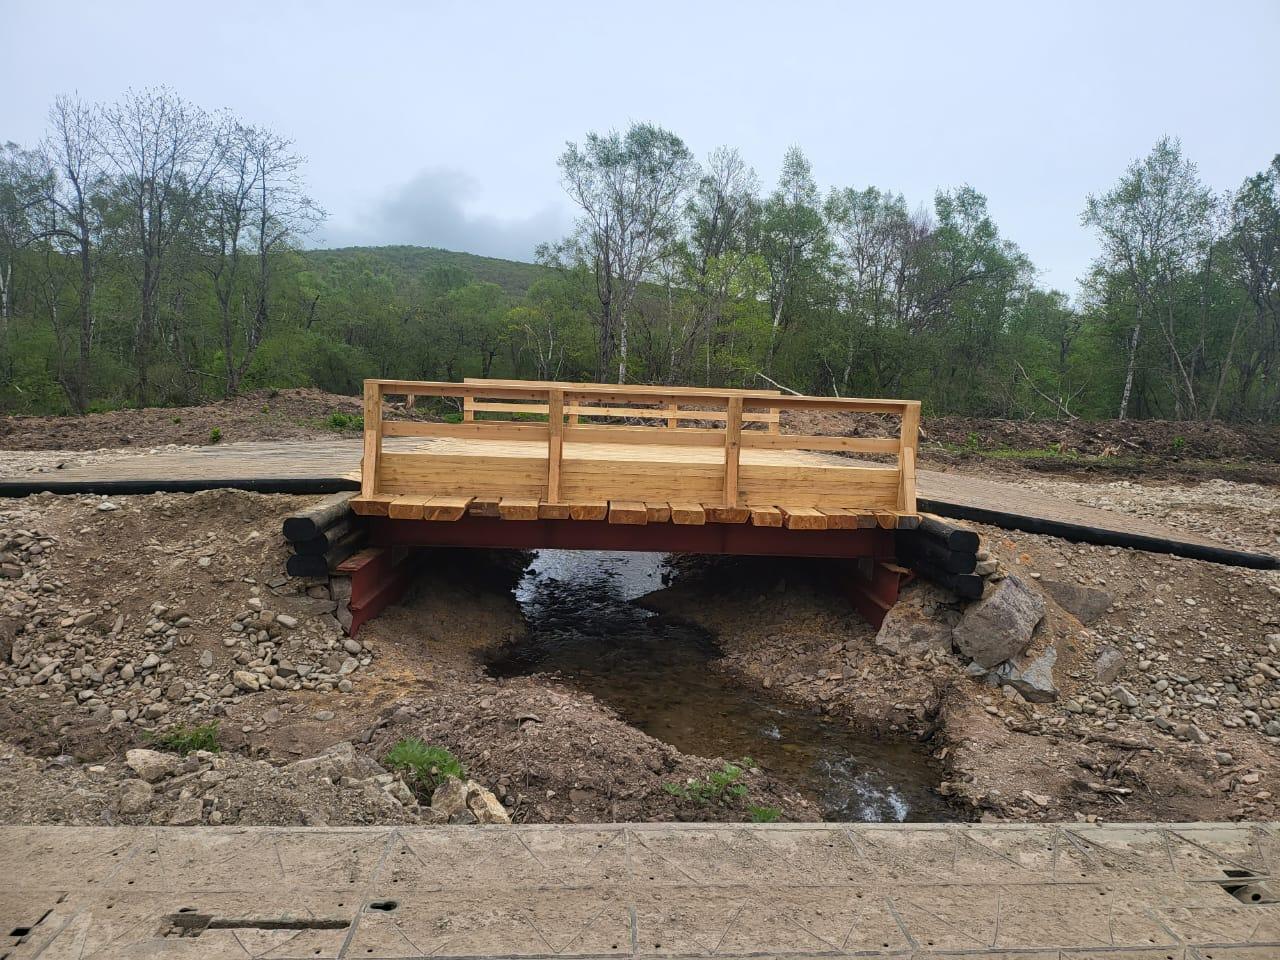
(184, 740)
(344, 422)
(721, 786)
(215, 434)
(764, 814)
(424, 766)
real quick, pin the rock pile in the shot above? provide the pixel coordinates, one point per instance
(993, 634)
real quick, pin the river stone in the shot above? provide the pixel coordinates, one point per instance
(999, 626)
(135, 796)
(450, 798)
(1032, 678)
(921, 620)
(484, 806)
(1084, 603)
(1109, 664)
(150, 765)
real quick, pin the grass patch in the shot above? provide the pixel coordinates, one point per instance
(344, 422)
(764, 814)
(183, 740)
(423, 765)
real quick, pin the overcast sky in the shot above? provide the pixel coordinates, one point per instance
(440, 123)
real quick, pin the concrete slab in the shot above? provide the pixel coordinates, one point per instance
(1064, 892)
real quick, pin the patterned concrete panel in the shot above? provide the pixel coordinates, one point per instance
(1069, 892)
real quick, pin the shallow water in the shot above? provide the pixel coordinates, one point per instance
(656, 673)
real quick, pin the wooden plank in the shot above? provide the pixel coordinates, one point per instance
(628, 511)
(477, 429)
(553, 511)
(766, 516)
(589, 510)
(755, 440)
(907, 521)
(684, 437)
(803, 518)
(555, 443)
(445, 508)
(372, 439)
(512, 509)
(886, 519)
(658, 512)
(733, 453)
(374, 506)
(407, 507)
(719, 514)
(688, 513)
(484, 507)
(907, 490)
(840, 518)
(311, 522)
(671, 414)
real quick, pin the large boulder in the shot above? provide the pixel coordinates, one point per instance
(999, 626)
(920, 621)
(1084, 603)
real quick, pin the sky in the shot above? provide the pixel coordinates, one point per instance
(440, 123)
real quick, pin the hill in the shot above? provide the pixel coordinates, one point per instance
(513, 276)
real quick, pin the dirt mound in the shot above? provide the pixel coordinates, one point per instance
(260, 415)
(1166, 439)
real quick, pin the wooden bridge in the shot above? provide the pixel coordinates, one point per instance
(634, 456)
(611, 467)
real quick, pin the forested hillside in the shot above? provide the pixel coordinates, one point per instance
(153, 253)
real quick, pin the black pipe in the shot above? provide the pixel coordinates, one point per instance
(1083, 533)
(123, 488)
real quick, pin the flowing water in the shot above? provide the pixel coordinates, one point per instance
(584, 625)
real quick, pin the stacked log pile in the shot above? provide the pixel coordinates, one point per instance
(322, 536)
(946, 554)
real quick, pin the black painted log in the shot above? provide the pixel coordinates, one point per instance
(310, 523)
(966, 585)
(319, 564)
(951, 536)
(327, 538)
(911, 546)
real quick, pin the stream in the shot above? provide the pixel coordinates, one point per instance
(655, 672)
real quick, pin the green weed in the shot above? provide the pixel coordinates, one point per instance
(185, 739)
(425, 766)
(721, 786)
(215, 434)
(764, 814)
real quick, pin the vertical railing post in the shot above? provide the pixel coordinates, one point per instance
(372, 438)
(908, 438)
(775, 420)
(555, 442)
(732, 450)
(672, 420)
(468, 409)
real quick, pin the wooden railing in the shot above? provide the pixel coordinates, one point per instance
(536, 421)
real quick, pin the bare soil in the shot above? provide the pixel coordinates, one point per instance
(1196, 640)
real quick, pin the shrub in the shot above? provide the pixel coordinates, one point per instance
(215, 434)
(425, 766)
(344, 421)
(185, 739)
(764, 814)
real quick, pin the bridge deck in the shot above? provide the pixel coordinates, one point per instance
(1045, 892)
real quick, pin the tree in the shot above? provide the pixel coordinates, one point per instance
(161, 152)
(255, 200)
(1153, 224)
(794, 246)
(629, 190)
(1255, 265)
